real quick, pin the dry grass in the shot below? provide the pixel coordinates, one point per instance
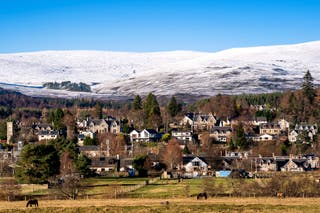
(177, 205)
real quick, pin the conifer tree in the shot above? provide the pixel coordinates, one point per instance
(173, 107)
(308, 87)
(137, 103)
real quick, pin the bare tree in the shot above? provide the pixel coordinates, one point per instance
(172, 154)
(9, 189)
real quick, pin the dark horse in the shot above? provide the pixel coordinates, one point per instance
(204, 195)
(32, 202)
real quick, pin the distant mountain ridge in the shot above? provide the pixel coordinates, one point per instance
(232, 71)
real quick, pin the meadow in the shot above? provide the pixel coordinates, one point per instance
(105, 194)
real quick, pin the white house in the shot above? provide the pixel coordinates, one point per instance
(264, 137)
(145, 135)
(134, 135)
(47, 135)
(284, 125)
(182, 135)
(195, 165)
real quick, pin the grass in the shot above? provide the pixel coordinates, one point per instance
(175, 205)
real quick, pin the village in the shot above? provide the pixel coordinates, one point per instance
(194, 129)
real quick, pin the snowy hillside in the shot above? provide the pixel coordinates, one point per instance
(233, 71)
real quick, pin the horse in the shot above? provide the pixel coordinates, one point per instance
(281, 195)
(202, 195)
(32, 202)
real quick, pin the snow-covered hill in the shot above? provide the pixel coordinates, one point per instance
(233, 71)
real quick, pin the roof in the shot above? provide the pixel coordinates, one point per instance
(151, 131)
(89, 148)
(220, 129)
(189, 158)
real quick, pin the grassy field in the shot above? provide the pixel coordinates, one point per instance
(133, 195)
(175, 205)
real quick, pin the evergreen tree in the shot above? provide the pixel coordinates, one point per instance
(137, 103)
(98, 111)
(152, 111)
(308, 87)
(240, 138)
(37, 163)
(173, 107)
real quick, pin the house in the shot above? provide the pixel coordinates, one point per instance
(259, 121)
(104, 164)
(134, 135)
(265, 164)
(110, 124)
(293, 136)
(303, 133)
(264, 137)
(91, 151)
(98, 126)
(199, 121)
(83, 134)
(47, 135)
(221, 134)
(284, 125)
(223, 121)
(114, 126)
(270, 128)
(184, 136)
(294, 166)
(42, 127)
(146, 135)
(194, 166)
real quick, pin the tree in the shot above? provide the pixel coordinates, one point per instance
(240, 138)
(9, 189)
(152, 111)
(137, 103)
(142, 163)
(71, 186)
(81, 163)
(172, 154)
(98, 111)
(90, 141)
(308, 87)
(37, 163)
(173, 107)
(166, 137)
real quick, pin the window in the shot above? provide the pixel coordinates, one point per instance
(196, 163)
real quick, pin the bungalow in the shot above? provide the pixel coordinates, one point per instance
(264, 137)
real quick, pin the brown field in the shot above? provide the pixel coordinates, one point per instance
(226, 204)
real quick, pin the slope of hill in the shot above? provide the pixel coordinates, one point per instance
(233, 71)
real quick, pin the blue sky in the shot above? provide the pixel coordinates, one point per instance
(155, 25)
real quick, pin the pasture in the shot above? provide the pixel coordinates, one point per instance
(110, 194)
(229, 204)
